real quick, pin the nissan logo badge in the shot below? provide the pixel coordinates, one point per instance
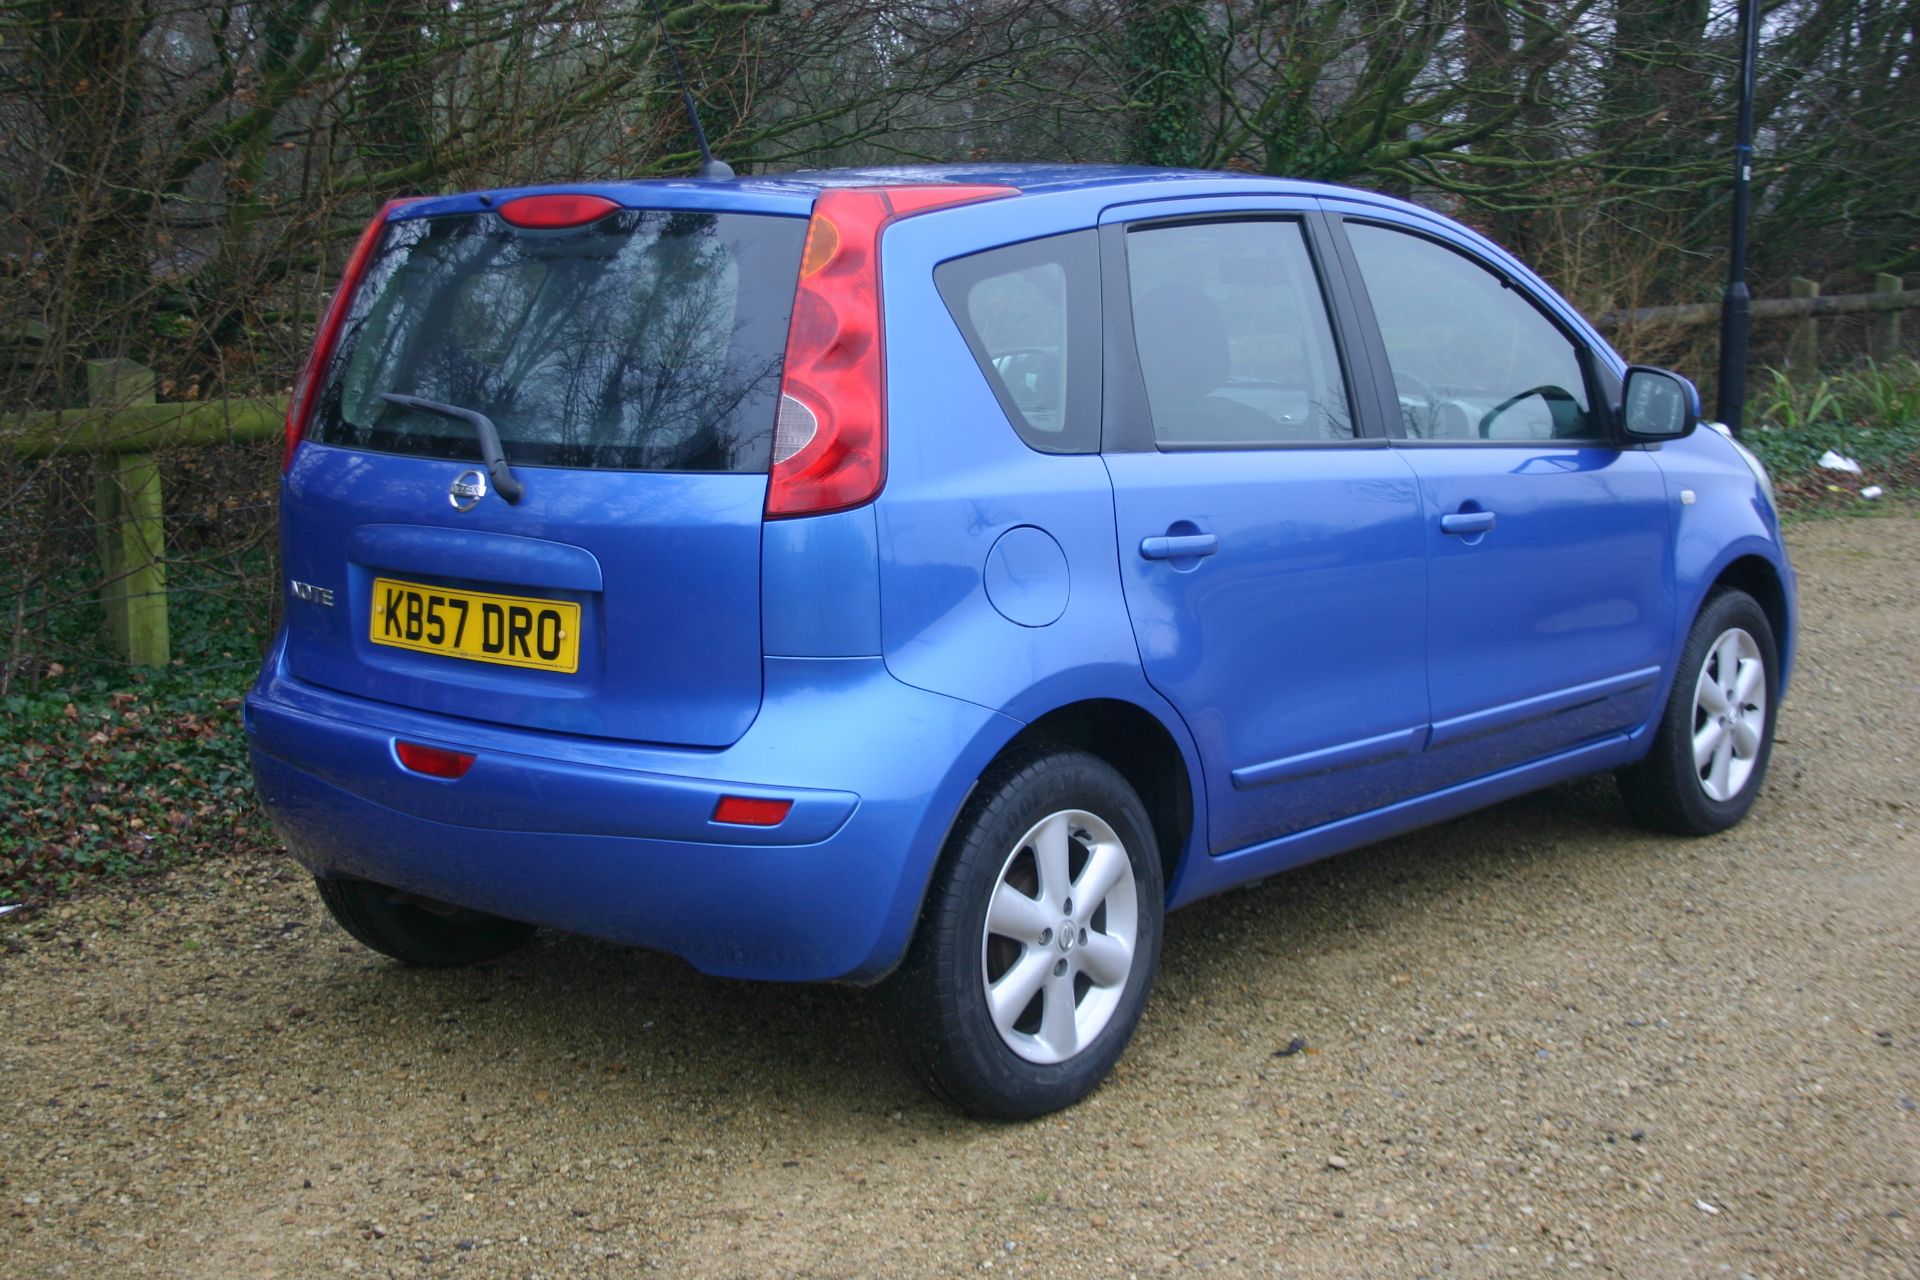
(468, 488)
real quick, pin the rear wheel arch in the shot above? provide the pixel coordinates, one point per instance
(1140, 748)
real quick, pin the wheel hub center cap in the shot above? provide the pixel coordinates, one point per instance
(1066, 936)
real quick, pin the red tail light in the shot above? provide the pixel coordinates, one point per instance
(306, 388)
(746, 811)
(829, 436)
(435, 762)
(544, 213)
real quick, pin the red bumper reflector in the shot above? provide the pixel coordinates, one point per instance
(435, 762)
(545, 213)
(745, 811)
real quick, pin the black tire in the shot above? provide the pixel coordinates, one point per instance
(415, 931)
(1667, 791)
(936, 1004)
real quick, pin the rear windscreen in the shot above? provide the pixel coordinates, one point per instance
(648, 340)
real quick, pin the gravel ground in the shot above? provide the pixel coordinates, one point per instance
(1537, 1041)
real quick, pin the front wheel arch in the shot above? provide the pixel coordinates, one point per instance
(1759, 578)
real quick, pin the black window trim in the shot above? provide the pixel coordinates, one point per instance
(1127, 419)
(1600, 406)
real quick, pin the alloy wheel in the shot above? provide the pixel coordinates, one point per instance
(1061, 932)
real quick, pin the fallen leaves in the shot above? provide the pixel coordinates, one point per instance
(119, 781)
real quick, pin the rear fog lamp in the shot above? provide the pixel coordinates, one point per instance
(435, 762)
(745, 811)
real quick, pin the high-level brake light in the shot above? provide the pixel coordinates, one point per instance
(547, 212)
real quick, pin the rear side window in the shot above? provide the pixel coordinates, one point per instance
(1031, 315)
(1232, 332)
(647, 340)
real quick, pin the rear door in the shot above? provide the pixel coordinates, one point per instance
(632, 367)
(1271, 543)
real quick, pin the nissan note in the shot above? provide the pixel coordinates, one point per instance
(927, 578)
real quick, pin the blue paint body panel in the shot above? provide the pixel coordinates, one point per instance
(665, 568)
(1329, 664)
(1572, 586)
(1302, 636)
(820, 586)
(614, 840)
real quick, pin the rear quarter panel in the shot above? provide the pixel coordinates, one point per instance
(959, 479)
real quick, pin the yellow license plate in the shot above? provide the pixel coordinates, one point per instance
(514, 631)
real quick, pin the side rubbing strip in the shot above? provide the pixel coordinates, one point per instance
(1513, 714)
(1401, 742)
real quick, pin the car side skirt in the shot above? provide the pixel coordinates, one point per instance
(1203, 877)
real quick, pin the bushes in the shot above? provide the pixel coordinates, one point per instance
(1870, 413)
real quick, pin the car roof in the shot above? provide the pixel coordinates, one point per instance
(795, 192)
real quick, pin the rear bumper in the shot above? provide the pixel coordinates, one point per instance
(617, 841)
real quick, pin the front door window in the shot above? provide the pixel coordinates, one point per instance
(1472, 358)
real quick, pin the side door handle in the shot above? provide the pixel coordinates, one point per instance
(1463, 522)
(1179, 546)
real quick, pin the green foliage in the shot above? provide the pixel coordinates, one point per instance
(107, 771)
(1870, 414)
(1167, 56)
(111, 777)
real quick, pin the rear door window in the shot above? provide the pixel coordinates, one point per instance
(648, 340)
(1233, 335)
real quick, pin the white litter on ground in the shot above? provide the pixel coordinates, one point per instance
(1872, 491)
(1839, 462)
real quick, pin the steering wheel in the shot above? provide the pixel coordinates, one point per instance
(1551, 394)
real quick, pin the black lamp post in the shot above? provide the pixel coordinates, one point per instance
(1731, 402)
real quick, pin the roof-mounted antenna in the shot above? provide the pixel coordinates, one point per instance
(709, 167)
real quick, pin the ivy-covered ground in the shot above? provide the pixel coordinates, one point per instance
(1869, 414)
(107, 770)
(109, 777)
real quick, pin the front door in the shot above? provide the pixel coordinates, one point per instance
(1550, 602)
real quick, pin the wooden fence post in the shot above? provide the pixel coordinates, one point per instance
(132, 534)
(1885, 343)
(1803, 345)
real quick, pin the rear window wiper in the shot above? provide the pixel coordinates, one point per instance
(504, 481)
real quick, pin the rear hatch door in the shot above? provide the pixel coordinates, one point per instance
(631, 365)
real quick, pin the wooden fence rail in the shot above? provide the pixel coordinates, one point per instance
(121, 430)
(1889, 298)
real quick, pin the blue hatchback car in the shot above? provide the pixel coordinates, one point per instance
(929, 577)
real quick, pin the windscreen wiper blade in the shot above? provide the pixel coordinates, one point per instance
(505, 483)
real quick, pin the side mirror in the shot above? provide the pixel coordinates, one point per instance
(1658, 405)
